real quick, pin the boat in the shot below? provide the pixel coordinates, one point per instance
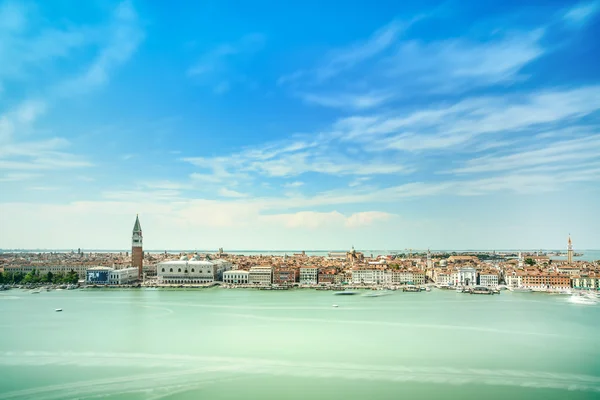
(58, 310)
(335, 306)
(428, 289)
(481, 290)
(377, 294)
(346, 293)
(411, 288)
(35, 291)
(520, 290)
(578, 299)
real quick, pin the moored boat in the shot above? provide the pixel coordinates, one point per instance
(346, 293)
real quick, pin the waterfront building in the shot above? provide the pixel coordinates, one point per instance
(443, 277)
(586, 282)
(260, 275)
(464, 276)
(98, 275)
(137, 252)
(309, 275)
(545, 280)
(488, 278)
(80, 269)
(402, 277)
(569, 251)
(329, 276)
(236, 276)
(123, 276)
(371, 276)
(191, 271)
(285, 276)
(513, 279)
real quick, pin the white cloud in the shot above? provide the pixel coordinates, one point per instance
(18, 176)
(231, 193)
(454, 125)
(217, 65)
(346, 100)
(370, 73)
(581, 13)
(124, 36)
(339, 60)
(295, 184)
(314, 220)
(562, 153)
(359, 181)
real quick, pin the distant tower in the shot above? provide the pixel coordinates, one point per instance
(429, 263)
(137, 253)
(570, 251)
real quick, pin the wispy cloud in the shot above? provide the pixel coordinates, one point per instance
(565, 154)
(217, 65)
(124, 35)
(467, 120)
(346, 100)
(581, 13)
(295, 184)
(315, 220)
(389, 66)
(18, 176)
(342, 59)
(231, 193)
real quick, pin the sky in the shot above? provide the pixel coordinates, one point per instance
(300, 125)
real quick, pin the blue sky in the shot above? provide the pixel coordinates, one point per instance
(274, 125)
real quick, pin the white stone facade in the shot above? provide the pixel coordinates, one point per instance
(465, 276)
(371, 276)
(191, 272)
(309, 276)
(514, 281)
(260, 276)
(237, 276)
(489, 280)
(123, 276)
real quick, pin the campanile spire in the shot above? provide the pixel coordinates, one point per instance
(137, 252)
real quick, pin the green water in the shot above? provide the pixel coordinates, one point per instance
(228, 344)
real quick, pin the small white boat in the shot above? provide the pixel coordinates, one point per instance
(575, 299)
(377, 294)
(58, 310)
(335, 306)
(520, 290)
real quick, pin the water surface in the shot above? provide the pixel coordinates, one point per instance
(226, 344)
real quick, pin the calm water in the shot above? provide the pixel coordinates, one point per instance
(227, 344)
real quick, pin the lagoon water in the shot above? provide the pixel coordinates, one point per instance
(228, 344)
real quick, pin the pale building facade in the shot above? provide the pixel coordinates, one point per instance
(193, 271)
(309, 275)
(260, 275)
(488, 279)
(465, 276)
(236, 276)
(123, 276)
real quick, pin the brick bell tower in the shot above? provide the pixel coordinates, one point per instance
(137, 253)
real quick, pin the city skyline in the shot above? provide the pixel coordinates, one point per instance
(423, 125)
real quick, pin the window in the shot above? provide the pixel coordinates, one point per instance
(178, 269)
(163, 270)
(192, 269)
(171, 270)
